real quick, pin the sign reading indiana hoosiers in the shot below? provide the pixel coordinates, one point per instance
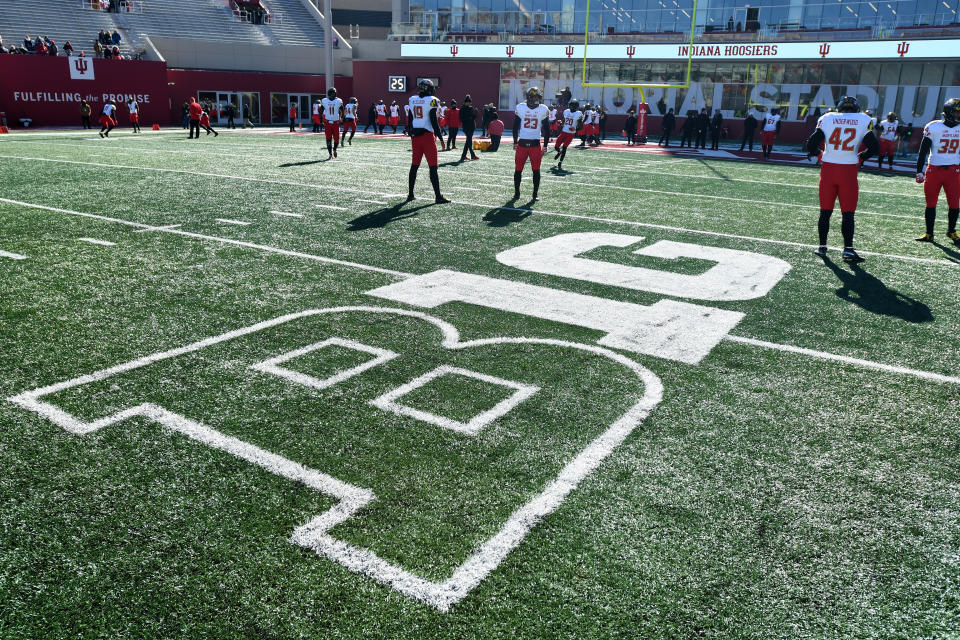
(81, 68)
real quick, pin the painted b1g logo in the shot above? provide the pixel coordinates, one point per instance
(547, 411)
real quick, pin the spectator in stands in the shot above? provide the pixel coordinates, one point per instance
(116, 53)
(495, 129)
(68, 48)
(730, 24)
(84, 114)
(565, 96)
(246, 116)
(669, 122)
(102, 37)
(52, 48)
(468, 120)
(98, 48)
(28, 43)
(115, 38)
(195, 112)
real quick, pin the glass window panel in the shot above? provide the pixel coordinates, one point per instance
(870, 73)
(932, 74)
(890, 73)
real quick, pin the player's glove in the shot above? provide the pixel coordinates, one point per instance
(920, 178)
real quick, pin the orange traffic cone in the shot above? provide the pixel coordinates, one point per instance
(4, 130)
(156, 127)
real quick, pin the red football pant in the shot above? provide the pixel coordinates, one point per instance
(424, 145)
(839, 181)
(317, 119)
(563, 140)
(134, 118)
(332, 130)
(350, 124)
(394, 122)
(886, 147)
(381, 119)
(766, 138)
(946, 177)
(534, 154)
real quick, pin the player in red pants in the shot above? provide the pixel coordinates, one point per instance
(424, 128)
(570, 126)
(332, 115)
(842, 134)
(531, 122)
(350, 120)
(941, 141)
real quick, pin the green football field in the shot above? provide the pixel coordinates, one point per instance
(245, 393)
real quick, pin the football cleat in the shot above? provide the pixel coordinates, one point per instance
(927, 237)
(821, 251)
(849, 255)
(954, 236)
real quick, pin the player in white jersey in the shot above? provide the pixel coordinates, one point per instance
(332, 115)
(771, 128)
(841, 134)
(317, 116)
(941, 141)
(134, 114)
(424, 129)
(587, 130)
(394, 115)
(381, 116)
(108, 119)
(350, 120)
(886, 133)
(529, 125)
(572, 123)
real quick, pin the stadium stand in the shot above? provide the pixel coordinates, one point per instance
(62, 20)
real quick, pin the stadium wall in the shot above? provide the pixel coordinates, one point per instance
(48, 90)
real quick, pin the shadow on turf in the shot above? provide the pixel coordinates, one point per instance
(383, 217)
(869, 293)
(302, 164)
(952, 255)
(508, 214)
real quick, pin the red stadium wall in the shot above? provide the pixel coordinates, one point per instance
(480, 79)
(188, 83)
(41, 88)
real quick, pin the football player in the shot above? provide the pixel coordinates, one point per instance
(771, 128)
(317, 116)
(332, 115)
(381, 117)
(530, 123)
(394, 115)
(841, 133)
(424, 129)
(572, 123)
(585, 131)
(941, 141)
(350, 120)
(887, 132)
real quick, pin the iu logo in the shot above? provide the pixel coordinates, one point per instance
(81, 68)
(569, 51)
(824, 50)
(902, 48)
(510, 50)
(454, 50)
(631, 50)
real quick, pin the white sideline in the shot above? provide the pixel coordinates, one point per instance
(315, 533)
(102, 243)
(239, 223)
(330, 206)
(12, 256)
(405, 275)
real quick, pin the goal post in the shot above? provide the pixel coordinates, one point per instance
(639, 85)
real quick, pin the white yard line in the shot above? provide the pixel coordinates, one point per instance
(330, 206)
(102, 243)
(200, 236)
(867, 364)
(239, 223)
(403, 275)
(163, 228)
(288, 214)
(12, 256)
